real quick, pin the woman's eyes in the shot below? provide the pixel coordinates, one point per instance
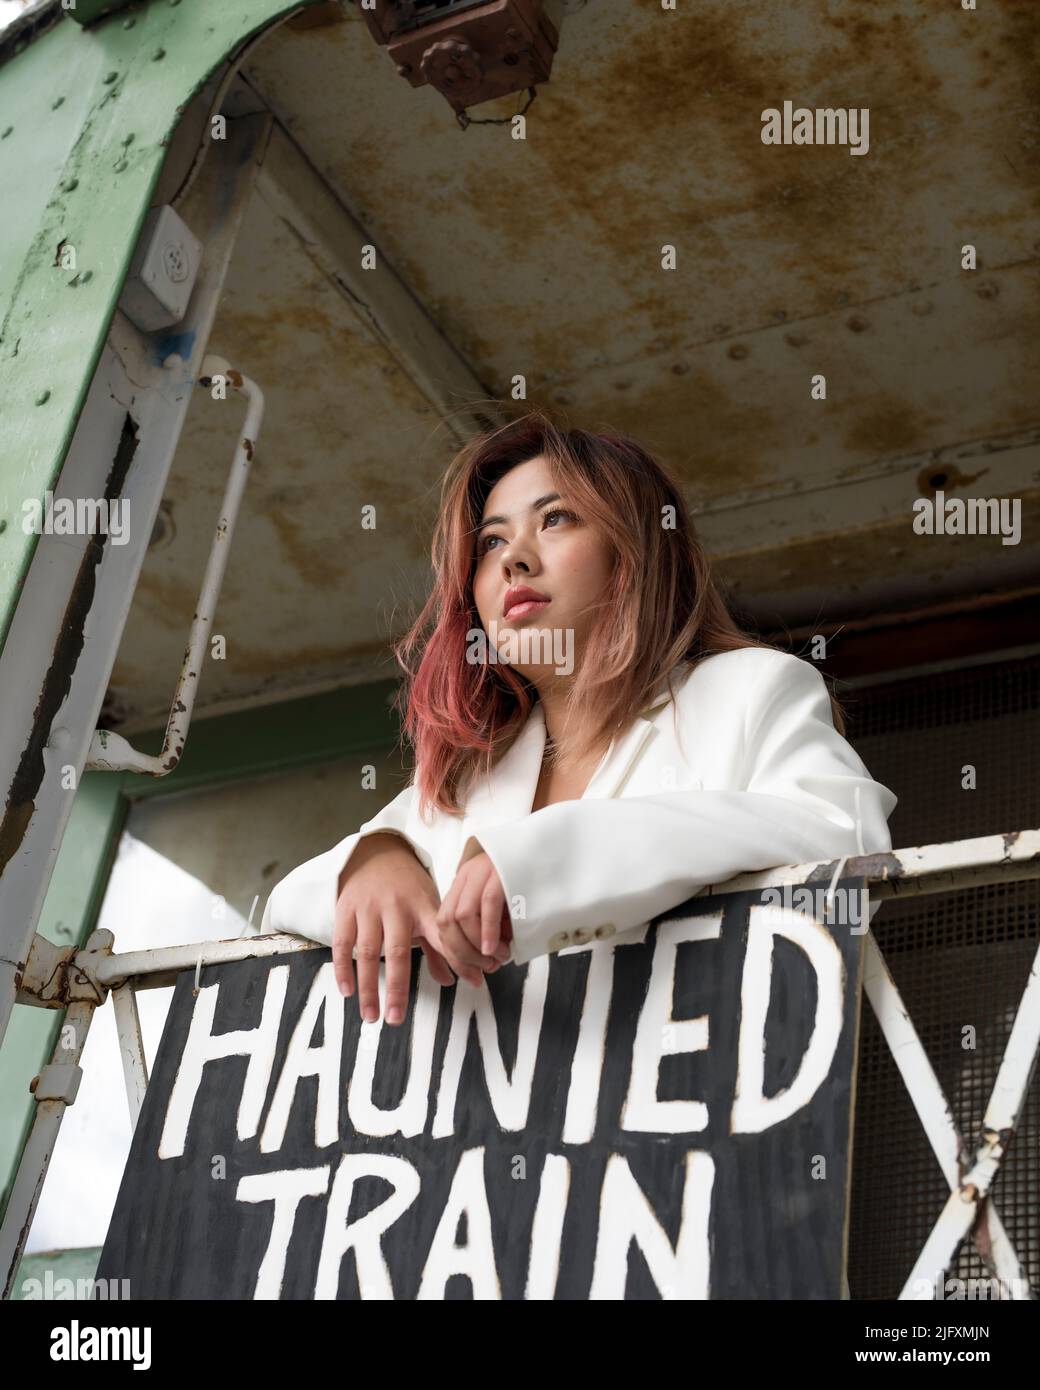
(485, 544)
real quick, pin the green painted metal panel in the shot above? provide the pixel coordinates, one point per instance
(86, 115)
(51, 1267)
(69, 914)
(274, 738)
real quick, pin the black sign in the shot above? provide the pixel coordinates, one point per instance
(664, 1114)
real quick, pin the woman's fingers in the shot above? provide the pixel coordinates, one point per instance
(343, 938)
(368, 950)
(462, 956)
(397, 950)
(448, 932)
(492, 901)
(429, 938)
(439, 967)
(446, 912)
(467, 916)
(459, 921)
(504, 950)
(462, 901)
(387, 938)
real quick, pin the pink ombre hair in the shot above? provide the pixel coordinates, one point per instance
(662, 610)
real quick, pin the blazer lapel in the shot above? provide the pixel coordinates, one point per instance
(617, 760)
(509, 792)
(623, 752)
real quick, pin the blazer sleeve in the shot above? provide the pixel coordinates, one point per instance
(304, 902)
(617, 862)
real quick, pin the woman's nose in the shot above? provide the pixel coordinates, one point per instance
(518, 557)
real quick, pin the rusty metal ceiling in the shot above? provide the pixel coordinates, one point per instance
(542, 257)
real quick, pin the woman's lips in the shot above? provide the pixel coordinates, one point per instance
(525, 606)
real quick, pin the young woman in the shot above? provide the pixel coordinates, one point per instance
(595, 738)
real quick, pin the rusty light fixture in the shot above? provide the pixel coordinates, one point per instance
(469, 50)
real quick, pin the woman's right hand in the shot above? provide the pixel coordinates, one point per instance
(387, 899)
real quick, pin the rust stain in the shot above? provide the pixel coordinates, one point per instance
(981, 1234)
(172, 599)
(315, 566)
(282, 323)
(1019, 39)
(307, 660)
(855, 558)
(887, 424)
(946, 476)
(596, 154)
(885, 865)
(596, 180)
(728, 68)
(321, 16)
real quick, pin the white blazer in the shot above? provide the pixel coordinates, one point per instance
(743, 771)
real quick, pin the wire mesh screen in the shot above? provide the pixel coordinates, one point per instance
(960, 961)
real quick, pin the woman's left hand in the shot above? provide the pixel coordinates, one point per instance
(473, 920)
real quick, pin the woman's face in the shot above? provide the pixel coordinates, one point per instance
(530, 537)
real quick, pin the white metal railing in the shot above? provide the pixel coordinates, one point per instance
(80, 979)
(109, 751)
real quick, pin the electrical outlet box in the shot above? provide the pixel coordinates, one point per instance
(162, 273)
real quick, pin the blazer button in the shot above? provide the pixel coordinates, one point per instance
(581, 935)
(560, 939)
(607, 929)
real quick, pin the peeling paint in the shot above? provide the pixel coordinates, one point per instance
(1010, 840)
(29, 775)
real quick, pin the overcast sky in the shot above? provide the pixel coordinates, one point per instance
(94, 1140)
(9, 9)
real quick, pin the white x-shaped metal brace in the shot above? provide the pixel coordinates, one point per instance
(969, 1207)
